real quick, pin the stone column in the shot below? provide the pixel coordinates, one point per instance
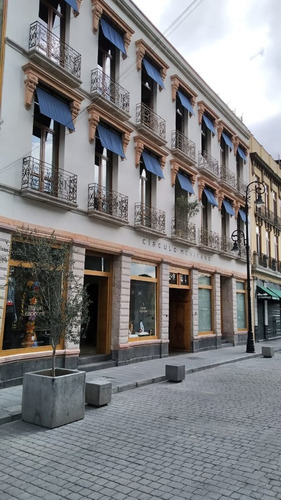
(164, 308)
(78, 265)
(228, 309)
(217, 307)
(194, 310)
(120, 300)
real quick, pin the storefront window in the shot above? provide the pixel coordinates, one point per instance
(241, 305)
(143, 295)
(205, 304)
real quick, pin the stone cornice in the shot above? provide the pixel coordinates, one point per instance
(95, 114)
(204, 108)
(177, 83)
(177, 165)
(140, 143)
(142, 49)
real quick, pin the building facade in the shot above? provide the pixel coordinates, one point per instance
(109, 138)
(265, 244)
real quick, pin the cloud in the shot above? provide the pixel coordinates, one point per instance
(267, 132)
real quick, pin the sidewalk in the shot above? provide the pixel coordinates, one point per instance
(136, 375)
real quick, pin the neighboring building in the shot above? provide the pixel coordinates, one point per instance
(107, 132)
(265, 244)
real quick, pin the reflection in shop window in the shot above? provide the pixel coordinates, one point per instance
(142, 322)
(205, 303)
(241, 305)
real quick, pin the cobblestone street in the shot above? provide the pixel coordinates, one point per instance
(214, 436)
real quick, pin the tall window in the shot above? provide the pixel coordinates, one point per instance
(45, 149)
(52, 16)
(241, 305)
(148, 89)
(276, 248)
(205, 315)
(107, 56)
(258, 239)
(224, 156)
(267, 243)
(274, 202)
(205, 138)
(143, 295)
(103, 165)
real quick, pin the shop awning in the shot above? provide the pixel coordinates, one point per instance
(228, 207)
(54, 108)
(227, 140)
(210, 197)
(241, 154)
(242, 215)
(152, 164)
(270, 293)
(113, 35)
(73, 4)
(277, 292)
(185, 183)
(111, 140)
(153, 72)
(209, 124)
(185, 102)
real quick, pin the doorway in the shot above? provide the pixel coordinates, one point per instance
(179, 320)
(95, 338)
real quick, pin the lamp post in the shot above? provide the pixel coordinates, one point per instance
(236, 237)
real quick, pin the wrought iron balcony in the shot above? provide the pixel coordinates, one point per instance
(209, 164)
(147, 119)
(228, 177)
(43, 41)
(42, 178)
(149, 218)
(268, 215)
(183, 230)
(110, 91)
(210, 240)
(107, 203)
(181, 144)
(241, 186)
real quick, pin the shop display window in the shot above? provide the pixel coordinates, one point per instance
(205, 304)
(241, 305)
(143, 295)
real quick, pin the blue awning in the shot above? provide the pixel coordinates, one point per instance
(210, 197)
(185, 102)
(242, 215)
(152, 164)
(185, 183)
(73, 4)
(54, 108)
(113, 35)
(153, 72)
(209, 124)
(111, 140)
(228, 207)
(241, 154)
(227, 141)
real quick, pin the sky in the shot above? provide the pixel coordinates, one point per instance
(234, 45)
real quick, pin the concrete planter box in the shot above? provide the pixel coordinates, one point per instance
(53, 401)
(175, 373)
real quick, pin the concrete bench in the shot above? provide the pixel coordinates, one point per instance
(175, 373)
(98, 392)
(267, 351)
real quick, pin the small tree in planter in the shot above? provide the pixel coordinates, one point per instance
(55, 302)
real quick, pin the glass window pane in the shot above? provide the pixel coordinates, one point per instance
(205, 310)
(96, 263)
(204, 279)
(241, 313)
(142, 309)
(240, 285)
(184, 279)
(173, 278)
(143, 270)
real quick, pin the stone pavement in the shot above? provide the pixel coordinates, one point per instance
(214, 436)
(136, 375)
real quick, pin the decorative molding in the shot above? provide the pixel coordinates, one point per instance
(142, 50)
(221, 127)
(176, 82)
(202, 183)
(141, 143)
(204, 108)
(35, 75)
(179, 165)
(99, 7)
(238, 142)
(95, 114)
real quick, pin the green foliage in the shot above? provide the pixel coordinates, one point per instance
(62, 304)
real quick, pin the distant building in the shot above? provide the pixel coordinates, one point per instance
(265, 244)
(107, 133)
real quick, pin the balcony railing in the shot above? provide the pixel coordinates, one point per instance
(45, 42)
(228, 177)
(107, 202)
(184, 230)
(42, 177)
(150, 218)
(145, 116)
(210, 239)
(208, 163)
(241, 186)
(268, 216)
(104, 86)
(185, 145)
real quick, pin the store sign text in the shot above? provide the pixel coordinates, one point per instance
(194, 254)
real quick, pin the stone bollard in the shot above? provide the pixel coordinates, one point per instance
(175, 373)
(98, 392)
(267, 351)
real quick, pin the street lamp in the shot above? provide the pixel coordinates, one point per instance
(236, 237)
